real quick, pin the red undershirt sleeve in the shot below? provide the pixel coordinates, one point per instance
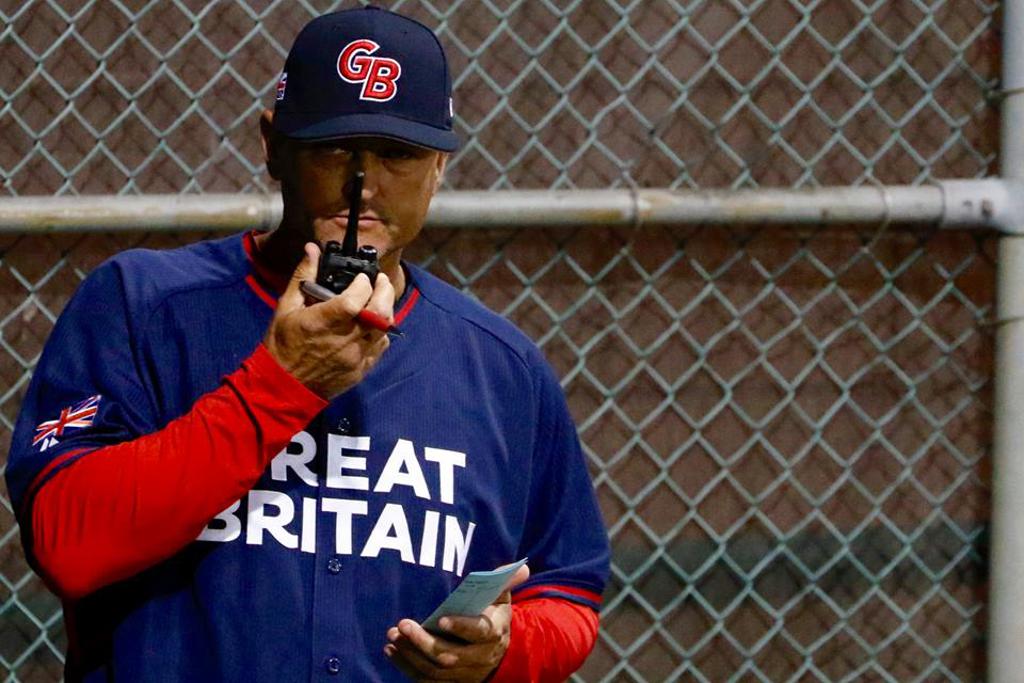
(123, 508)
(550, 639)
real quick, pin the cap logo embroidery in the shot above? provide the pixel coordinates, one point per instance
(281, 85)
(379, 75)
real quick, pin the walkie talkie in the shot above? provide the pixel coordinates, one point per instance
(341, 263)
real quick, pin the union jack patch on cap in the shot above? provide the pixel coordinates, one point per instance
(74, 417)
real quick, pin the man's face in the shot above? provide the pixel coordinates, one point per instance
(399, 182)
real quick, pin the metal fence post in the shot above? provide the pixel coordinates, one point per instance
(1006, 599)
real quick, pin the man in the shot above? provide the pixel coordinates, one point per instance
(227, 481)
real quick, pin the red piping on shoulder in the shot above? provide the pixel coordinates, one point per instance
(262, 293)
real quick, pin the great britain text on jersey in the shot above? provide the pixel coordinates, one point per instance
(274, 515)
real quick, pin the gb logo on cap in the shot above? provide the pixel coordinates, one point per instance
(379, 75)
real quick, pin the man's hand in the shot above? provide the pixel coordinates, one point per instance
(323, 345)
(476, 650)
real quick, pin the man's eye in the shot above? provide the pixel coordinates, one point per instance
(331, 151)
(396, 154)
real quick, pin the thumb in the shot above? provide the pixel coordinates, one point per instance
(293, 298)
(521, 575)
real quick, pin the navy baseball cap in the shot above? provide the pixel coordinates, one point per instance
(366, 72)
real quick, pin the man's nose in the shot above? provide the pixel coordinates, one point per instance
(368, 163)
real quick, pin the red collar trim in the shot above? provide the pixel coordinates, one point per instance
(271, 280)
(414, 296)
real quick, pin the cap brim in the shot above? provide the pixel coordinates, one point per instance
(317, 129)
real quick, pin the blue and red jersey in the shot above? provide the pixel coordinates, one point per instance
(456, 453)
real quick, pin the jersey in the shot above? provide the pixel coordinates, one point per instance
(455, 453)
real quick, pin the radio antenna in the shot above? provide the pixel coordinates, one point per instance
(355, 198)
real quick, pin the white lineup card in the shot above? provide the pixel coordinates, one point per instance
(474, 594)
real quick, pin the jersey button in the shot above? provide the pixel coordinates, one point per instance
(333, 665)
(334, 565)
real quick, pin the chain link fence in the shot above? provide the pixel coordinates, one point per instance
(146, 97)
(788, 429)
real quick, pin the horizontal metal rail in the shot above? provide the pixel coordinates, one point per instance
(989, 203)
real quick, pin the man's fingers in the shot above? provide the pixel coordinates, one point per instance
(382, 301)
(452, 663)
(429, 644)
(440, 652)
(293, 297)
(425, 667)
(401, 662)
(479, 629)
(521, 575)
(473, 643)
(346, 306)
(411, 647)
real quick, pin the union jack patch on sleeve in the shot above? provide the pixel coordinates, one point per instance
(74, 417)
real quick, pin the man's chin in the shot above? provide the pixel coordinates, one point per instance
(370, 232)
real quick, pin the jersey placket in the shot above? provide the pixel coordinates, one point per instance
(333, 597)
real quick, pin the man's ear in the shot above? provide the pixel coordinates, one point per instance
(442, 164)
(270, 141)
